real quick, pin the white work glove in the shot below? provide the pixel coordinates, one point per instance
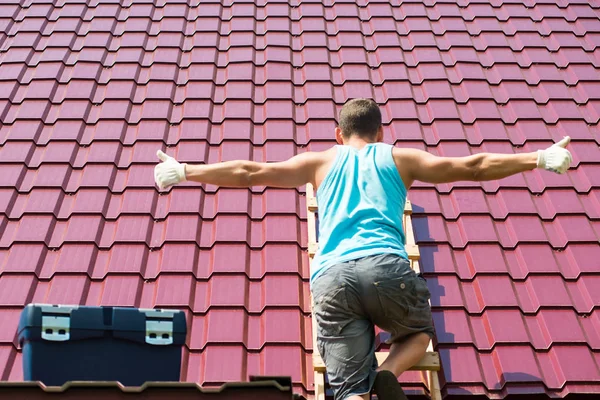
(555, 158)
(169, 172)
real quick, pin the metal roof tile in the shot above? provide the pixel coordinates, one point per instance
(58, 152)
(27, 229)
(575, 363)
(119, 291)
(16, 290)
(10, 201)
(446, 292)
(539, 259)
(197, 329)
(453, 326)
(182, 258)
(276, 229)
(178, 201)
(226, 326)
(287, 360)
(78, 228)
(511, 232)
(232, 258)
(564, 326)
(7, 354)
(504, 326)
(22, 130)
(585, 291)
(174, 291)
(226, 290)
(461, 364)
(573, 228)
(9, 320)
(116, 90)
(64, 289)
(226, 200)
(83, 201)
(493, 291)
(546, 291)
(282, 291)
(180, 228)
(23, 258)
(70, 258)
(133, 201)
(535, 292)
(127, 229)
(226, 228)
(582, 257)
(121, 258)
(217, 371)
(517, 364)
(37, 201)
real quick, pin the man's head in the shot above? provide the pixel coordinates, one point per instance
(359, 118)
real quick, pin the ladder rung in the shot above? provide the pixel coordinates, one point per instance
(429, 362)
(413, 252)
(408, 208)
(311, 203)
(312, 249)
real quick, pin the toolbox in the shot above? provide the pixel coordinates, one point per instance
(63, 343)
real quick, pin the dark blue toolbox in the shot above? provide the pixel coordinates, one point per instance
(64, 343)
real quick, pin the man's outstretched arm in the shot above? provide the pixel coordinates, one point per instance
(422, 166)
(294, 172)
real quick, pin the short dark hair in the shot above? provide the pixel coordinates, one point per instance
(360, 117)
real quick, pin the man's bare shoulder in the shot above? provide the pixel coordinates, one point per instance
(407, 152)
(408, 160)
(320, 156)
(322, 162)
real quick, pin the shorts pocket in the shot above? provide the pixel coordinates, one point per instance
(393, 295)
(419, 312)
(402, 298)
(331, 312)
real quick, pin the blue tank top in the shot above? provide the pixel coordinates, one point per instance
(361, 204)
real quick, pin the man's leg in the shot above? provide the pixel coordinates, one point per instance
(396, 299)
(406, 353)
(350, 361)
(345, 338)
(403, 355)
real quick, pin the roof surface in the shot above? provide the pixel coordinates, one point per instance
(151, 391)
(88, 93)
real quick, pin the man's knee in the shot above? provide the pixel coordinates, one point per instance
(423, 338)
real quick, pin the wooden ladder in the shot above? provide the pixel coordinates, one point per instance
(429, 364)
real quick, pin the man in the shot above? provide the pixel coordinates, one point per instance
(361, 276)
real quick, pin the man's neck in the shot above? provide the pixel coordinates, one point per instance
(357, 142)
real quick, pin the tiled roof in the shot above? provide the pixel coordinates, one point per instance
(264, 390)
(89, 92)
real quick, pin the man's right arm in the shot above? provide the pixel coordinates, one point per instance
(425, 167)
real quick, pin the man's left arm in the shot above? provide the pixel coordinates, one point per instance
(294, 172)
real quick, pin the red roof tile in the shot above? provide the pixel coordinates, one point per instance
(88, 93)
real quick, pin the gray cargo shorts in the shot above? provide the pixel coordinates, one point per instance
(353, 297)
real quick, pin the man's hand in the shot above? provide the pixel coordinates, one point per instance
(169, 172)
(556, 158)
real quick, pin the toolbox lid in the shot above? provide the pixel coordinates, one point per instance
(73, 322)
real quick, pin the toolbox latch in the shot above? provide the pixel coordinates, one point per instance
(159, 326)
(56, 322)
